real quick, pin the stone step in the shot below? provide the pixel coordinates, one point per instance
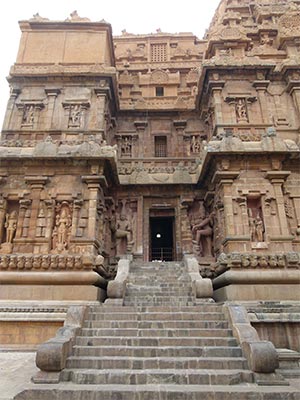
(146, 301)
(72, 391)
(156, 324)
(170, 332)
(111, 362)
(150, 376)
(160, 292)
(200, 308)
(158, 316)
(146, 351)
(154, 341)
(141, 302)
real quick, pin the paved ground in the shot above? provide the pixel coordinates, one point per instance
(17, 368)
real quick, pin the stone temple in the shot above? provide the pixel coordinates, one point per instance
(150, 208)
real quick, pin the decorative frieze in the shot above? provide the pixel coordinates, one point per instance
(42, 262)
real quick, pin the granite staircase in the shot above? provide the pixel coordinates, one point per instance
(159, 346)
(159, 283)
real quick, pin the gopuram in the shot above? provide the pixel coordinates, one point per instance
(142, 152)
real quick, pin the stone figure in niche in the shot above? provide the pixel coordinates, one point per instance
(61, 232)
(10, 225)
(195, 145)
(75, 115)
(202, 234)
(241, 110)
(256, 227)
(126, 147)
(124, 233)
(28, 115)
(256, 224)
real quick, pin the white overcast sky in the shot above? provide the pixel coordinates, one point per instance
(136, 16)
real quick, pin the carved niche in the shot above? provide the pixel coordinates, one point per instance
(255, 220)
(62, 226)
(30, 113)
(75, 112)
(241, 107)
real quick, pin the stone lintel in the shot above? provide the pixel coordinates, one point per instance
(95, 181)
(222, 176)
(277, 175)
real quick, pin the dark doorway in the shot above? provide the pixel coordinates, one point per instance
(162, 238)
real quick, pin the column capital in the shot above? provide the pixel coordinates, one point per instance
(95, 181)
(277, 176)
(225, 177)
(36, 181)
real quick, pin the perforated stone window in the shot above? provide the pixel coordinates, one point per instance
(160, 144)
(159, 52)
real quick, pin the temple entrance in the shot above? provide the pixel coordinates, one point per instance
(162, 239)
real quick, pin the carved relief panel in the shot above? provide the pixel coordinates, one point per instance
(30, 112)
(9, 220)
(76, 114)
(202, 224)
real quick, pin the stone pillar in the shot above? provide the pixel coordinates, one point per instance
(180, 126)
(140, 127)
(24, 204)
(49, 119)
(95, 184)
(296, 201)
(186, 235)
(216, 87)
(36, 184)
(261, 87)
(294, 91)
(75, 217)
(10, 108)
(50, 205)
(277, 179)
(103, 96)
(225, 180)
(140, 224)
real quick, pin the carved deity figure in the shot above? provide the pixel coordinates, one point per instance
(126, 147)
(256, 227)
(124, 231)
(202, 233)
(241, 110)
(195, 145)
(61, 230)
(75, 115)
(28, 115)
(10, 225)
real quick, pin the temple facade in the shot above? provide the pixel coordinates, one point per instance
(153, 147)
